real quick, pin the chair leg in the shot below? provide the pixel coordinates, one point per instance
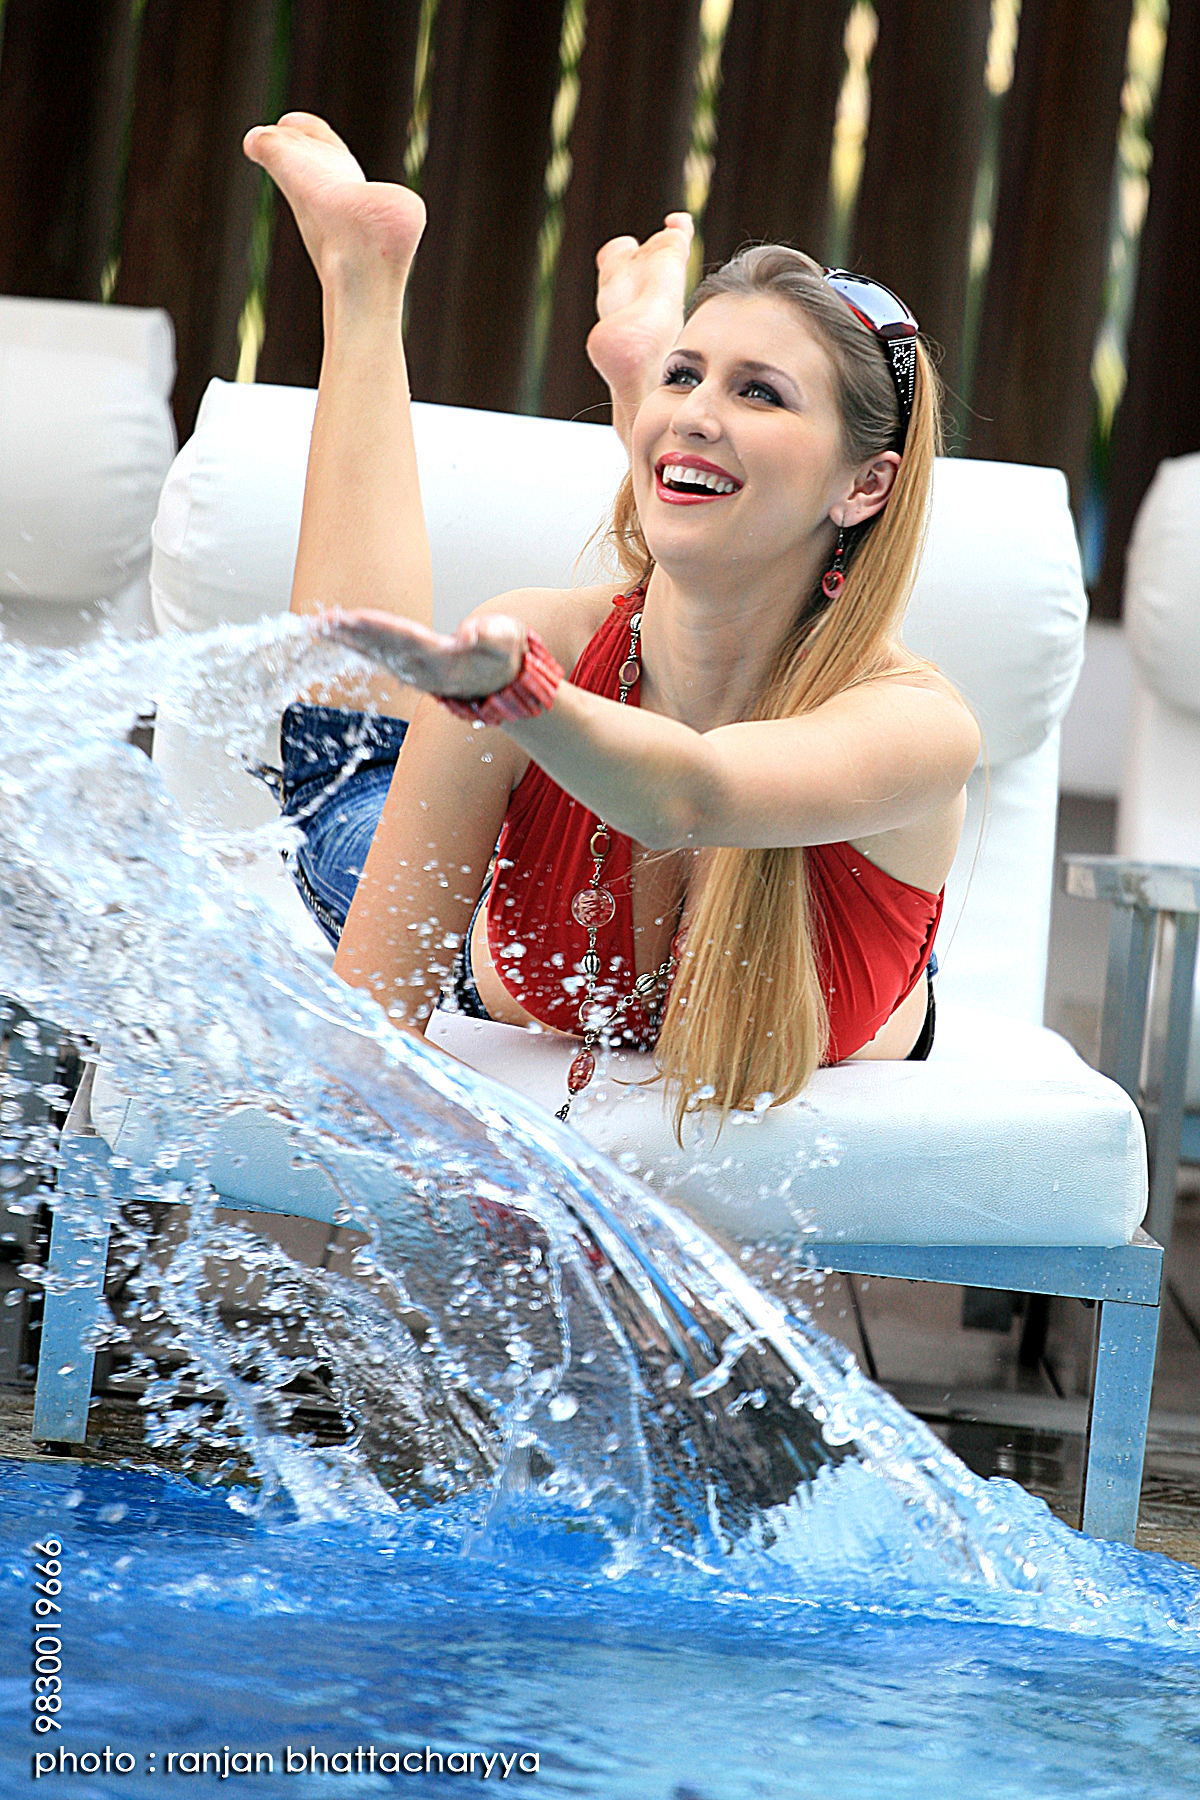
(1122, 1377)
(72, 1311)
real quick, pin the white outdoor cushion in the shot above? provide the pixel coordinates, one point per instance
(1159, 815)
(1162, 585)
(1005, 1136)
(509, 502)
(86, 440)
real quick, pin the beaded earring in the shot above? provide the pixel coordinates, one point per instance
(834, 578)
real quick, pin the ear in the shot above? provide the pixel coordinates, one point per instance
(869, 491)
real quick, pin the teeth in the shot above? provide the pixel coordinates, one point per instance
(683, 475)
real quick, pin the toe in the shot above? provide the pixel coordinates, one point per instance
(616, 248)
(311, 126)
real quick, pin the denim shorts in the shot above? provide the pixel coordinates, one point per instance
(337, 768)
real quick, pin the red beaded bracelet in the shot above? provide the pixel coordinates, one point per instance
(530, 692)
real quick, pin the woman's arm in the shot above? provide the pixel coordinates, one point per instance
(426, 866)
(446, 804)
(876, 758)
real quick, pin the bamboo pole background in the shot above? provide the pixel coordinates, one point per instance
(121, 125)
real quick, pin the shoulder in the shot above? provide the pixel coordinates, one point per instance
(917, 694)
(566, 618)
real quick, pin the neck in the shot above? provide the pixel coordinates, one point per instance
(707, 649)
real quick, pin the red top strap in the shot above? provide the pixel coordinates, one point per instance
(872, 934)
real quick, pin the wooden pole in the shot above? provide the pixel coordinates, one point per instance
(65, 71)
(1159, 414)
(203, 67)
(781, 68)
(1032, 399)
(913, 222)
(352, 64)
(628, 144)
(495, 74)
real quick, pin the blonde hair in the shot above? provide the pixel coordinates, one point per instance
(747, 1017)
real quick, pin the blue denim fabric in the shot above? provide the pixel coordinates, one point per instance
(337, 768)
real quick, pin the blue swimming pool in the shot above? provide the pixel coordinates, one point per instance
(192, 1629)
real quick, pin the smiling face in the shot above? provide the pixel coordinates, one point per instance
(737, 455)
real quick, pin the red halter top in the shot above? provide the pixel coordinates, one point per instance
(872, 934)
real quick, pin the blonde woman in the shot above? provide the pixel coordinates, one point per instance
(726, 798)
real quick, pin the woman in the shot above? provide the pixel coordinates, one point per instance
(728, 833)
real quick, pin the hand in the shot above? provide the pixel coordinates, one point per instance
(639, 299)
(483, 655)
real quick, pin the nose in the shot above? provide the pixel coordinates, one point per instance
(696, 414)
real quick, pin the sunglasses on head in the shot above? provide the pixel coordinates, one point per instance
(886, 315)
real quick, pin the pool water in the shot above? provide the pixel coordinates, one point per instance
(193, 1629)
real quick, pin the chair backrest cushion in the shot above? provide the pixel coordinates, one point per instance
(511, 501)
(1162, 585)
(1158, 819)
(86, 440)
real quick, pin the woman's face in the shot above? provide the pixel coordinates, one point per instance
(737, 454)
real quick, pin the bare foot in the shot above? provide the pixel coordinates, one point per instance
(349, 225)
(639, 297)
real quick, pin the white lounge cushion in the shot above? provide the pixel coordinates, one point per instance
(1159, 815)
(1162, 586)
(1005, 1136)
(86, 440)
(509, 502)
(999, 602)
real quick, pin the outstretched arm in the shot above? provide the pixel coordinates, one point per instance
(875, 758)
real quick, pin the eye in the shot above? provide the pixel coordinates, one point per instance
(678, 374)
(759, 390)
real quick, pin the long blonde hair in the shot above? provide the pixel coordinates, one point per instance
(747, 1017)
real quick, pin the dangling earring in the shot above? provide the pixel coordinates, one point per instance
(834, 578)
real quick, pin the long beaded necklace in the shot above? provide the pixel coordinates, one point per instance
(594, 907)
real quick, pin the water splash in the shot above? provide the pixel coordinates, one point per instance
(507, 1327)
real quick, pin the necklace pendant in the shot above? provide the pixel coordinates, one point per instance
(593, 907)
(582, 1068)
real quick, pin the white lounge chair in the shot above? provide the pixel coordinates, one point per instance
(1158, 819)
